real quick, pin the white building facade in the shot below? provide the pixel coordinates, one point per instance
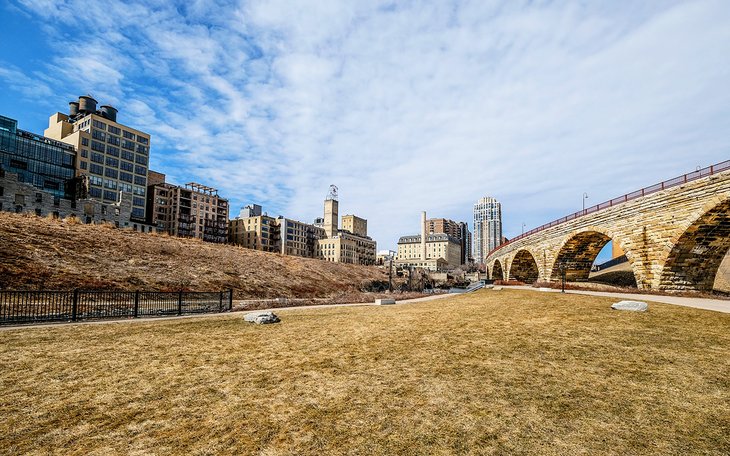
(487, 227)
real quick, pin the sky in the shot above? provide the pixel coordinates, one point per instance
(405, 106)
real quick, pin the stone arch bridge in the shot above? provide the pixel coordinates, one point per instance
(675, 235)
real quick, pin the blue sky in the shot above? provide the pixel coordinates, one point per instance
(405, 106)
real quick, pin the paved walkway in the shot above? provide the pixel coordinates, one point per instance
(718, 305)
(209, 315)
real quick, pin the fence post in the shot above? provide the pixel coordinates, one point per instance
(230, 299)
(75, 305)
(136, 304)
(179, 302)
(220, 302)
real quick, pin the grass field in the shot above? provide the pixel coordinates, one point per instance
(495, 372)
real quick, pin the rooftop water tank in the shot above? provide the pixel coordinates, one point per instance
(87, 104)
(109, 112)
(73, 108)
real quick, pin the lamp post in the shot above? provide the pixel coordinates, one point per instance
(523, 227)
(562, 275)
(585, 197)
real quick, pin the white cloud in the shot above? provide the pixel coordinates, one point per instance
(410, 107)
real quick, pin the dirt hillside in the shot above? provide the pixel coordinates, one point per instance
(51, 254)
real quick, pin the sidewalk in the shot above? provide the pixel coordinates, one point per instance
(208, 315)
(718, 305)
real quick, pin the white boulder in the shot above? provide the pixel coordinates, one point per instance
(634, 306)
(261, 318)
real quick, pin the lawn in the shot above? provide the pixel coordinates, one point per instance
(494, 372)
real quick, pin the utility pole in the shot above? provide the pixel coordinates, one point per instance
(390, 273)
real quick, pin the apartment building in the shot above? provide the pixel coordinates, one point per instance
(487, 227)
(351, 244)
(254, 230)
(438, 246)
(113, 156)
(38, 176)
(456, 230)
(193, 210)
(322, 239)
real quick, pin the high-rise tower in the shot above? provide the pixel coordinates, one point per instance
(487, 227)
(331, 214)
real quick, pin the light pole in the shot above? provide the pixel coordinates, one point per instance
(585, 197)
(523, 227)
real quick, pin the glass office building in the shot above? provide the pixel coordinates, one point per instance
(37, 160)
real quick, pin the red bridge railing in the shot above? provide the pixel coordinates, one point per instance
(689, 177)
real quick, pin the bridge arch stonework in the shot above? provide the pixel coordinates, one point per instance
(663, 234)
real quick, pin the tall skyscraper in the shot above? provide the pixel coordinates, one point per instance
(487, 227)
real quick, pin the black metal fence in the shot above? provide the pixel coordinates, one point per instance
(18, 307)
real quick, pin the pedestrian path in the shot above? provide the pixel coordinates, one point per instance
(718, 305)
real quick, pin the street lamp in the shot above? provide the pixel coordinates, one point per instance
(562, 267)
(523, 227)
(585, 197)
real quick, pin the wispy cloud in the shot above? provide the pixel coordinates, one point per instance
(405, 106)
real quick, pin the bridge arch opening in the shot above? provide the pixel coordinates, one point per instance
(524, 267)
(497, 273)
(579, 252)
(695, 259)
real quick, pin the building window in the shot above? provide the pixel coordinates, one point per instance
(113, 173)
(2, 191)
(39, 197)
(115, 130)
(19, 199)
(110, 195)
(95, 192)
(142, 139)
(129, 145)
(139, 180)
(125, 166)
(83, 165)
(140, 159)
(95, 145)
(18, 164)
(96, 169)
(84, 153)
(38, 212)
(126, 177)
(56, 201)
(98, 124)
(127, 155)
(100, 135)
(97, 158)
(111, 150)
(128, 135)
(84, 141)
(140, 170)
(111, 161)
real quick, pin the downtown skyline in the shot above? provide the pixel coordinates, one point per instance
(404, 108)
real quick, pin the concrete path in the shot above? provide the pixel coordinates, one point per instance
(210, 315)
(718, 305)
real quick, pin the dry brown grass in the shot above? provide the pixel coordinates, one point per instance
(510, 372)
(54, 254)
